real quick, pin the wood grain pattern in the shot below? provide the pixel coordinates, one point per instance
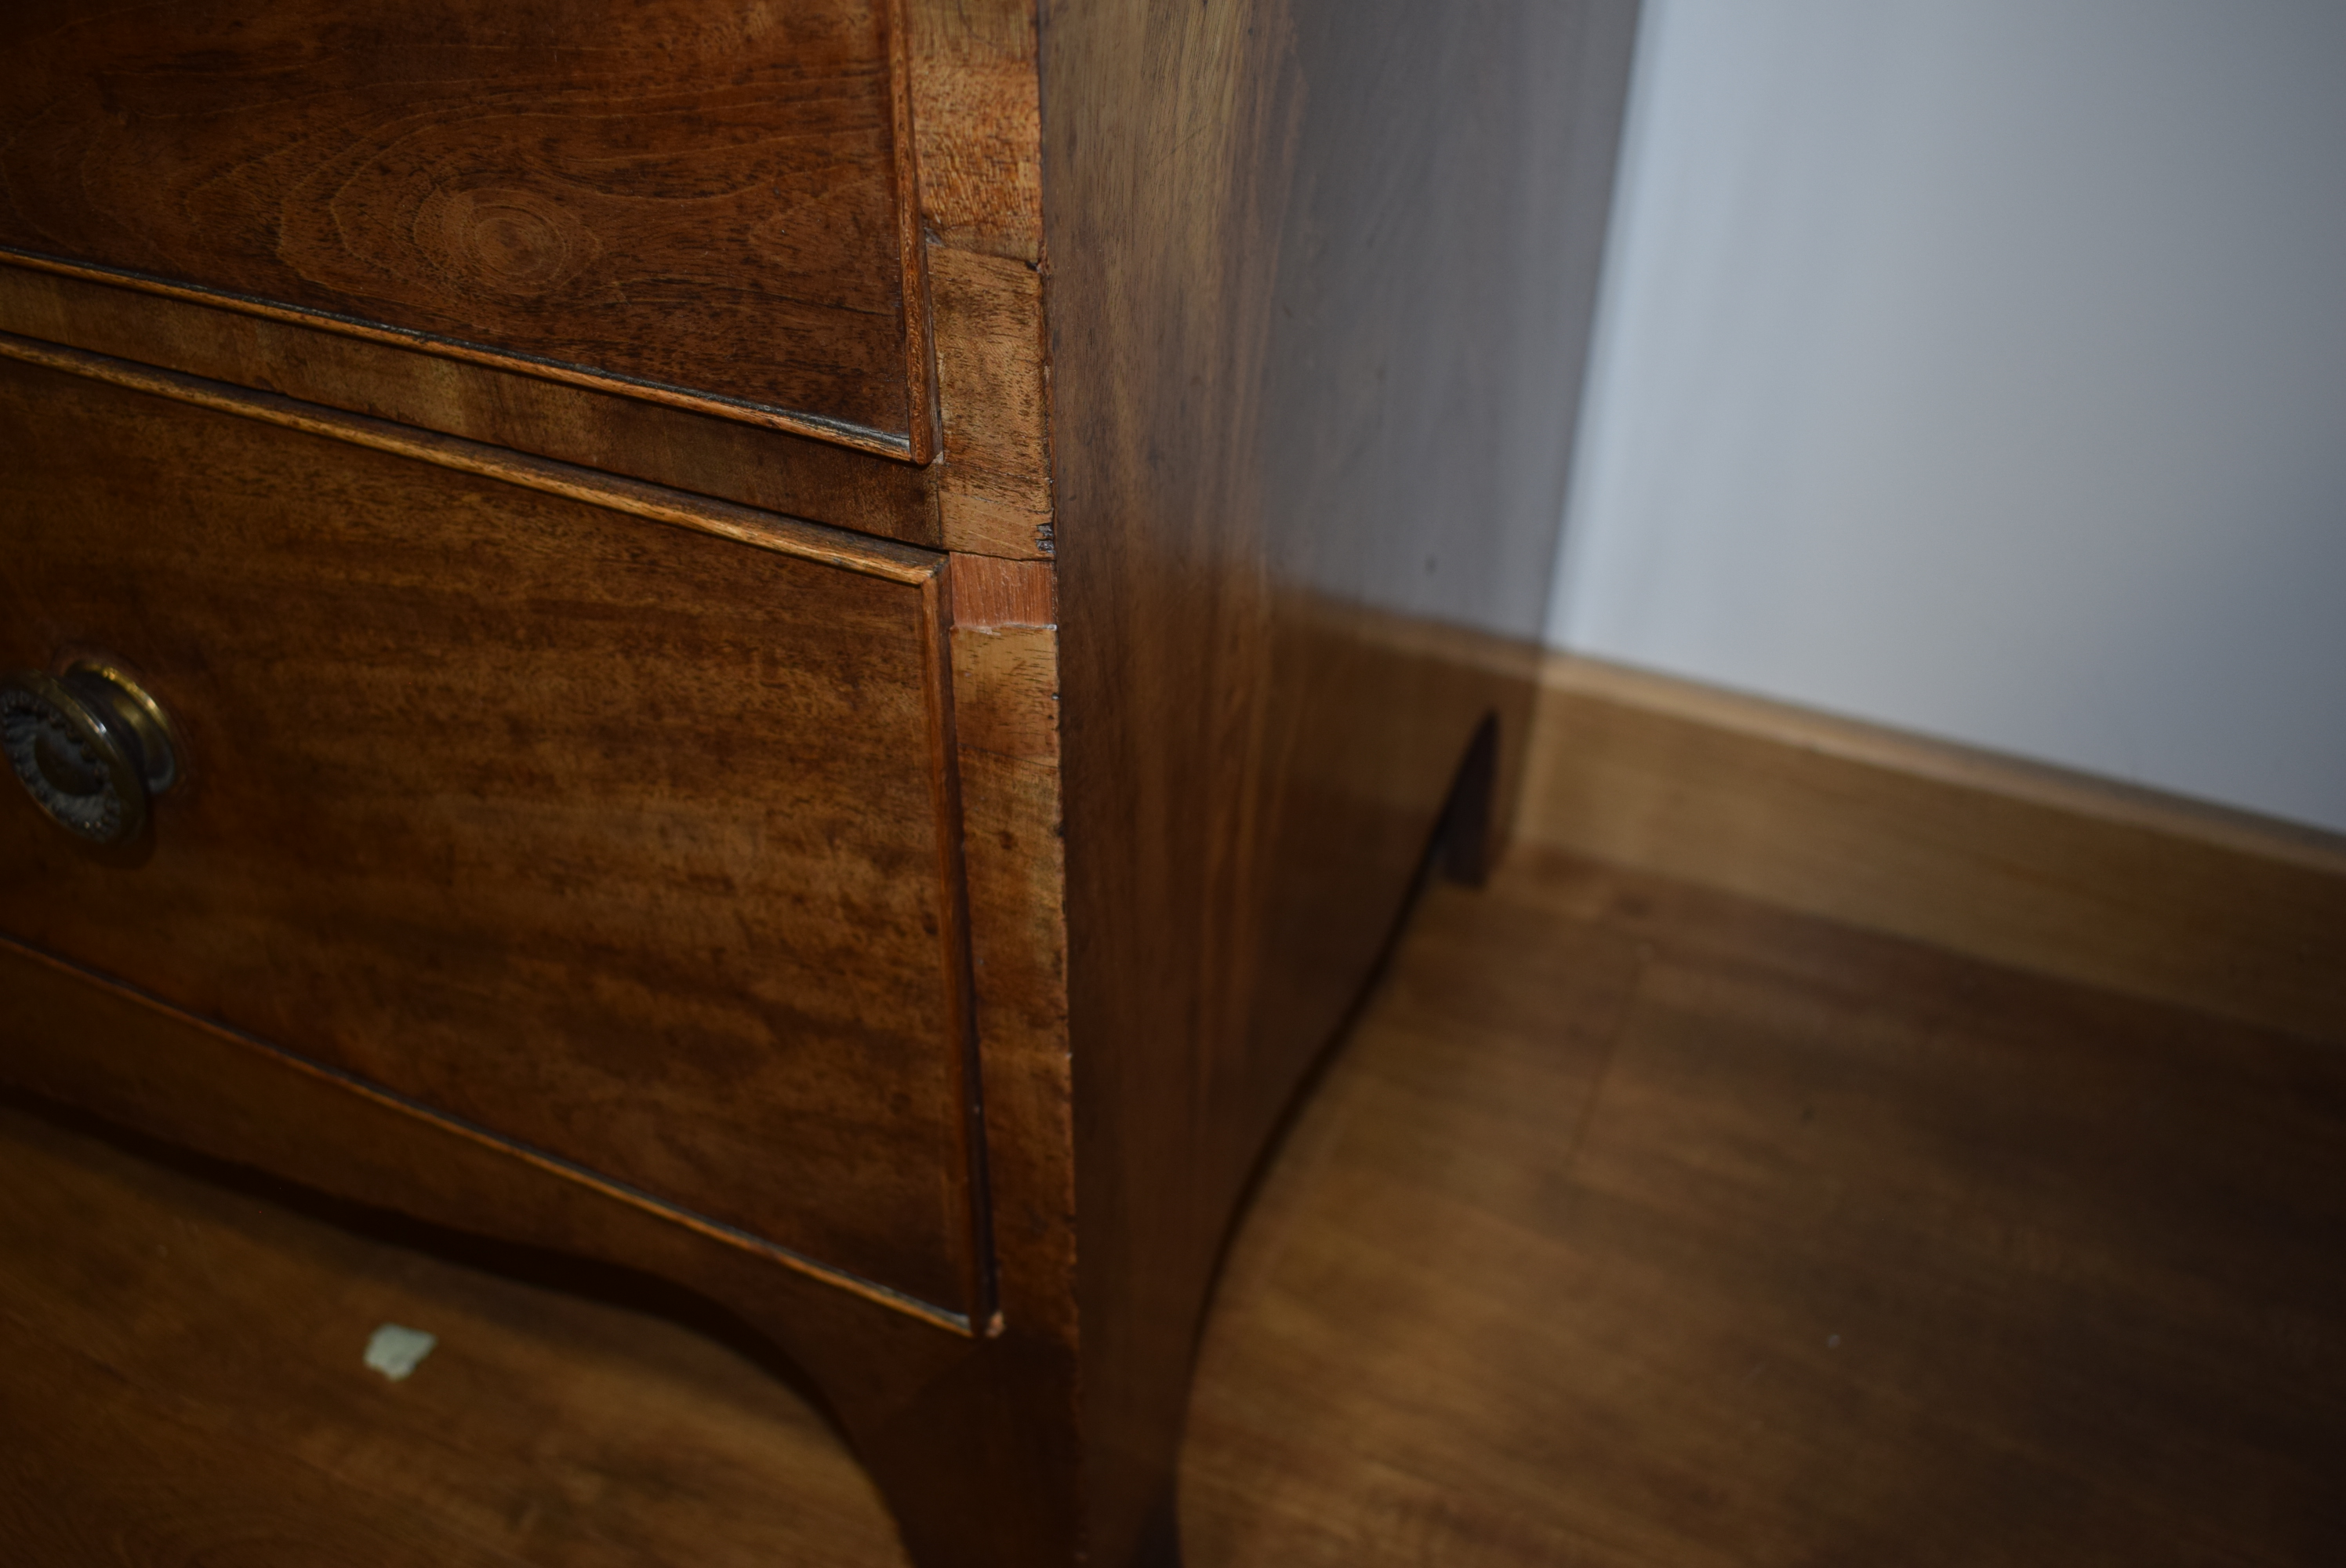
(916, 354)
(993, 486)
(211, 1340)
(128, 1481)
(1006, 700)
(1547, 1270)
(142, 1065)
(1644, 1224)
(1309, 360)
(972, 1438)
(622, 841)
(978, 120)
(746, 526)
(1272, 391)
(990, 593)
(2003, 859)
(636, 193)
(140, 1061)
(772, 470)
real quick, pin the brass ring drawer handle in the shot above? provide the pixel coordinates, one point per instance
(89, 745)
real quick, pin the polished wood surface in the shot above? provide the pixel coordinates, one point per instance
(1643, 1224)
(2008, 860)
(764, 529)
(968, 1433)
(203, 1344)
(628, 192)
(976, 117)
(970, 85)
(1249, 355)
(1549, 1269)
(684, 449)
(628, 842)
(1319, 277)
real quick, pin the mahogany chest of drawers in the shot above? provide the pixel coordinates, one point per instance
(809, 645)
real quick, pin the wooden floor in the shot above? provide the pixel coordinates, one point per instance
(1635, 1224)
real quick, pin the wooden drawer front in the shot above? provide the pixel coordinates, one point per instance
(618, 839)
(701, 196)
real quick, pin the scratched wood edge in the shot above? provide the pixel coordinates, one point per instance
(2035, 867)
(976, 85)
(880, 442)
(24, 959)
(912, 269)
(1005, 648)
(974, 77)
(859, 552)
(970, 1207)
(768, 470)
(994, 486)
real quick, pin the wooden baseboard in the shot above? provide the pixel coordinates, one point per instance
(2007, 861)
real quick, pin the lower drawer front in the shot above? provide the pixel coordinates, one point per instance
(618, 840)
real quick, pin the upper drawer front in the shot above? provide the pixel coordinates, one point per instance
(699, 195)
(619, 839)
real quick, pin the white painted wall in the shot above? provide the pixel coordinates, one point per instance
(1978, 367)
